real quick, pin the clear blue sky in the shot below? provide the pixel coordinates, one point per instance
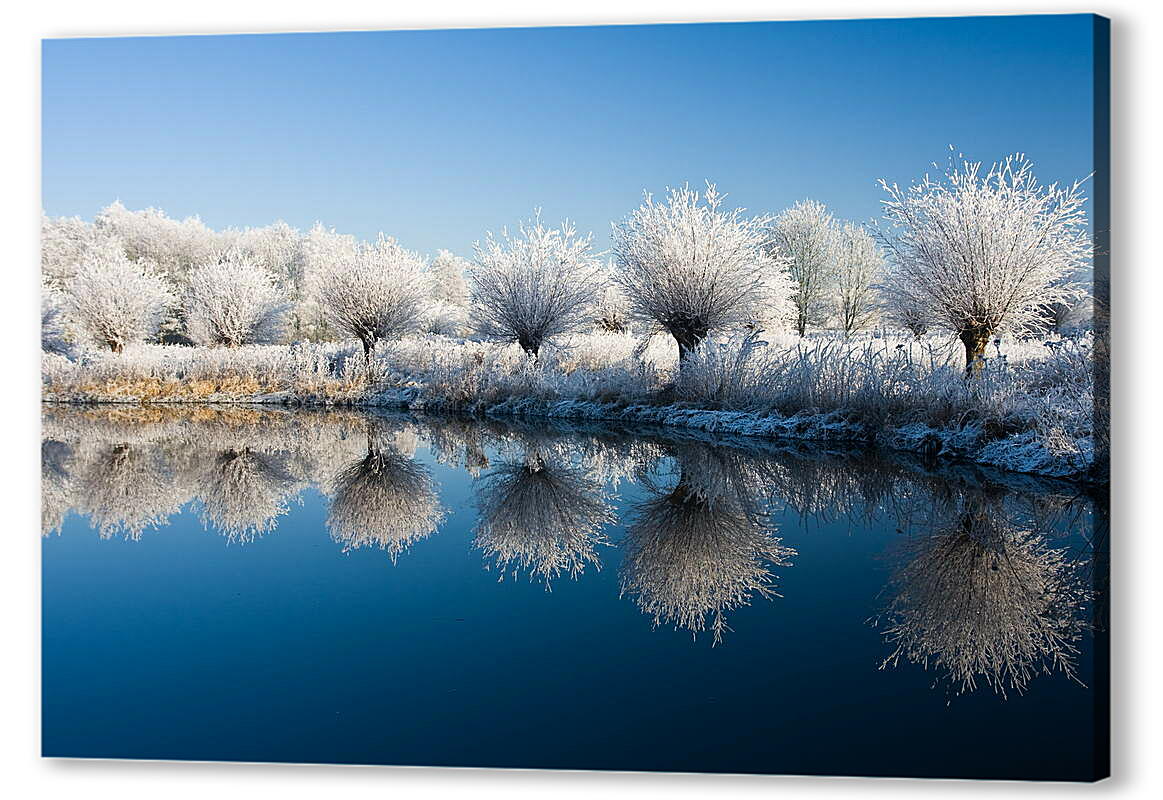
(437, 136)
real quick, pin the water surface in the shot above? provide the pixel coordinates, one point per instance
(342, 587)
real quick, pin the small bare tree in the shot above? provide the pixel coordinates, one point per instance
(234, 302)
(859, 265)
(115, 301)
(902, 308)
(806, 237)
(985, 253)
(377, 292)
(691, 267)
(612, 311)
(533, 285)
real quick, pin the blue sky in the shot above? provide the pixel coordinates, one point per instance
(437, 136)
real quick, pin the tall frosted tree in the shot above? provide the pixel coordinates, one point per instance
(234, 302)
(985, 251)
(859, 266)
(806, 237)
(530, 286)
(115, 301)
(376, 293)
(323, 250)
(448, 282)
(63, 244)
(175, 247)
(690, 266)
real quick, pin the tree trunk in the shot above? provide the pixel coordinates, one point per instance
(801, 324)
(369, 350)
(530, 346)
(116, 347)
(975, 340)
(688, 339)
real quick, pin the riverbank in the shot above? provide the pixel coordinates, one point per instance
(1031, 411)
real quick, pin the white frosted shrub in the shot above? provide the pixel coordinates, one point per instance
(984, 253)
(114, 301)
(533, 285)
(690, 267)
(53, 337)
(444, 319)
(377, 293)
(234, 302)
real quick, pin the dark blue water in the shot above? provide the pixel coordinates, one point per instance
(305, 587)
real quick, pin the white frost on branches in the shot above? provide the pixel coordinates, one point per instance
(448, 282)
(375, 293)
(115, 301)
(985, 253)
(63, 244)
(691, 267)
(806, 237)
(533, 285)
(234, 302)
(53, 338)
(859, 265)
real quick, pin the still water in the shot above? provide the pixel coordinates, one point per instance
(344, 587)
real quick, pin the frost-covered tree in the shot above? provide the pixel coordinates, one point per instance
(612, 310)
(323, 251)
(174, 247)
(532, 285)
(234, 302)
(63, 244)
(448, 282)
(115, 301)
(806, 237)
(691, 267)
(278, 248)
(378, 292)
(53, 338)
(859, 265)
(985, 252)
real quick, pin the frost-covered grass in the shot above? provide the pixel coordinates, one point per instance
(1031, 409)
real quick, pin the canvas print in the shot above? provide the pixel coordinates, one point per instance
(689, 398)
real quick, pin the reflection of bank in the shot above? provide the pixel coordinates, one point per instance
(542, 516)
(384, 499)
(980, 597)
(704, 546)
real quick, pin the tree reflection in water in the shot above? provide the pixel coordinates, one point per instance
(244, 492)
(126, 488)
(983, 592)
(703, 547)
(541, 515)
(979, 597)
(384, 500)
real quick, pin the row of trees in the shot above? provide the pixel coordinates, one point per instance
(975, 253)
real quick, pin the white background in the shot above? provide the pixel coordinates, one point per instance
(1137, 262)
